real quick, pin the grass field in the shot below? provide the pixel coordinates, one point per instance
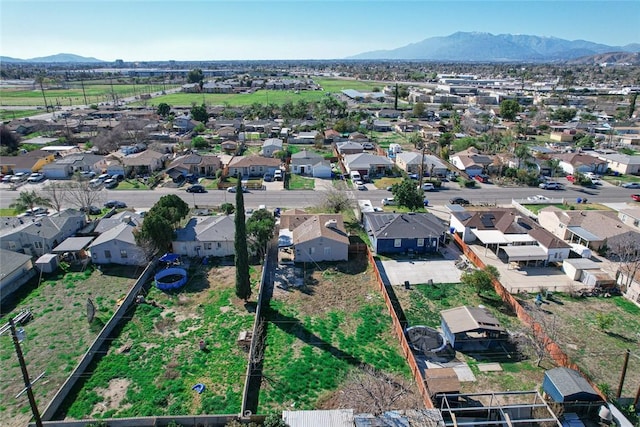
(59, 333)
(321, 335)
(152, 365)
(297, 182)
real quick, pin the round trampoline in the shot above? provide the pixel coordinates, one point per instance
(171, 278)
(428, 342)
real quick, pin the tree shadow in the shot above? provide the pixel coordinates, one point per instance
(621, 337)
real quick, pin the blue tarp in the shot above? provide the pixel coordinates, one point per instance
(168, 257)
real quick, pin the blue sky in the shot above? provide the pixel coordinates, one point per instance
(137, 30)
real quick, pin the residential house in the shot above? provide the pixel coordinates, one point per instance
(630, 217)
(349, 147)
(184, 123)
(367, 164)
(310, 163)
(65, 167)
(227, 133)
(29, 162)
(36, 236)
(117, 246)
(629, 282)
(16, 270)
(316, 237)
(388, 114)
(144, 163)
(471, 327)
(191, 88)
(403, 233)
(195, 164)
(471, 161)
(123, 217)
(206, 236)
(382, 126)
(229, 146)
(512, 236)
(331, 135)
(305, 137)
(270, 146)
(593, 229)
(621, 163)
(410, 161)
(572, 163)
(252, 166)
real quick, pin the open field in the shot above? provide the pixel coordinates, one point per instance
(153, 363)
(261, 96)
(324, 337)
(59, 333)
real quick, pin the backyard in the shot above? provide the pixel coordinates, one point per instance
(59, 333)
(329, 337)
(155, 361)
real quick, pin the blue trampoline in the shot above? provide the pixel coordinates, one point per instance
(171, 279)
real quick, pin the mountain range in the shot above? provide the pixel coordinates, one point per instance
(60, 57)
(486, 47)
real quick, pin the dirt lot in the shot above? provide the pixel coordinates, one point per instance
(329, 340)
(58, 335)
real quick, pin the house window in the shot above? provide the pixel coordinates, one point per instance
(107, 254)
(327, 251)
(208, 246)
(123, 254)
(219, 245)
(312, 250)
(37, 244)
(420, 243)
(636, 223)
(12, 245)
(397, 243)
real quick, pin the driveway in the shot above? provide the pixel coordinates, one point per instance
(396, 272)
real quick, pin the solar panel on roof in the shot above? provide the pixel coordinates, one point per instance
(488, 220)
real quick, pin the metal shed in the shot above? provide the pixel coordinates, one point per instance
(568, 385)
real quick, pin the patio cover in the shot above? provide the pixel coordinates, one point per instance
(519, 238)
(584, 234)
(524, 253)
(491, 237)
(72, 244)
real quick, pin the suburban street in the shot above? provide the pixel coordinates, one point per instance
(485, 193)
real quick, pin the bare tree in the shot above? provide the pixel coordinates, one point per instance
(336, 200)
(56, 192)
(627, 253)
(81, 195)
(531, 340)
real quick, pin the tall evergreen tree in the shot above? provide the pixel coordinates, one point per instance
(243, 284)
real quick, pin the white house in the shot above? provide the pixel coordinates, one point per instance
(270, 146)
(206, 236)
(16, 270)
(310, 163)
(117, 246)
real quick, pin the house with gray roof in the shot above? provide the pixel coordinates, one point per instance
(195, 164)
(206, 236)
(367, 164)
(403, 233)
(349, 147)
(252, 166)
(409, 161)
(310, 163)
(622, 163)
(117, 246)
(270, 146)
(65, 167)
(16, 270)
(127, 217)
(315, 237)
(471, 327)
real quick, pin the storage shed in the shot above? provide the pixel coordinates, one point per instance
(47, 263)
(574, 267)
(470, 327)
(568, 385)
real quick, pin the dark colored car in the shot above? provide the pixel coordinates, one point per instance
(196, 188)
(110, 183)
(459, 201)
(115, 204)
(118, 177)
(93, 210)
(191, 178)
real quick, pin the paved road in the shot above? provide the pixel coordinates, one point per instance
(305, 198)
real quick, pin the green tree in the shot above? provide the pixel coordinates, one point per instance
(419, 109)
(462, 144)
(260, 228)
(9, 141)
(163, 109)
(553, 165)
(170, 207)
(199, 113)
(563, 114)
(274, 420)
(522, 153)
(604, 320)
(155, 234)
(227, 208)
(587, 141)
(481, 280)
(195, 76)
(632, 104)
(509, 109)
(27, 200)
(243, 284)
(199, 142)
(407, 194)
(445, 139)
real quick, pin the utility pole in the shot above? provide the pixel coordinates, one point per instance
(25, 374)
(623, 374)
(84, 93)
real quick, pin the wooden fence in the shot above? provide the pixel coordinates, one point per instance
(553, 349)
(399, 331)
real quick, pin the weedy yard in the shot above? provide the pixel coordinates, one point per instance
(331, 339)
(156, 359)
(59, 333)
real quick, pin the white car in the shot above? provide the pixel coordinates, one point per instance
(35, 177)
(388, 201)
(19, 177)
(634, 185)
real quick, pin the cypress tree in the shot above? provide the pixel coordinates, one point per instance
(243, 284)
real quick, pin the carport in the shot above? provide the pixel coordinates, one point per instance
(582, 236)
(497, 238)
(524, 253)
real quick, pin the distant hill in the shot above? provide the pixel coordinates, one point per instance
(60, 57)
(486, 47)
(609, 58)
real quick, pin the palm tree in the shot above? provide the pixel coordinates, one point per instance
(28, 200)
(553, 165)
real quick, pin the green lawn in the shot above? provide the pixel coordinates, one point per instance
(7, 115)
(297, 182)
(132, 184)
(8, 212)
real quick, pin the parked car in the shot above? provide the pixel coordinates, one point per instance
(633, 185)
(110, 183)
(550, 186)
(388, 201)
(267, 177)
(367, 146)
(92, 210)
(482, 178)
(233, 189)
(196, 188)
(427, 186)
(37, 211)
(95, 182)
(571, 179)
(35, 177)
(459, 201)
(87, 174)
(277, 175)
(636, 197)
(115, 204)
(19, 177)
(118, 177)
(191, 178)
(103, 177)
(7, 178)
(360, 185)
